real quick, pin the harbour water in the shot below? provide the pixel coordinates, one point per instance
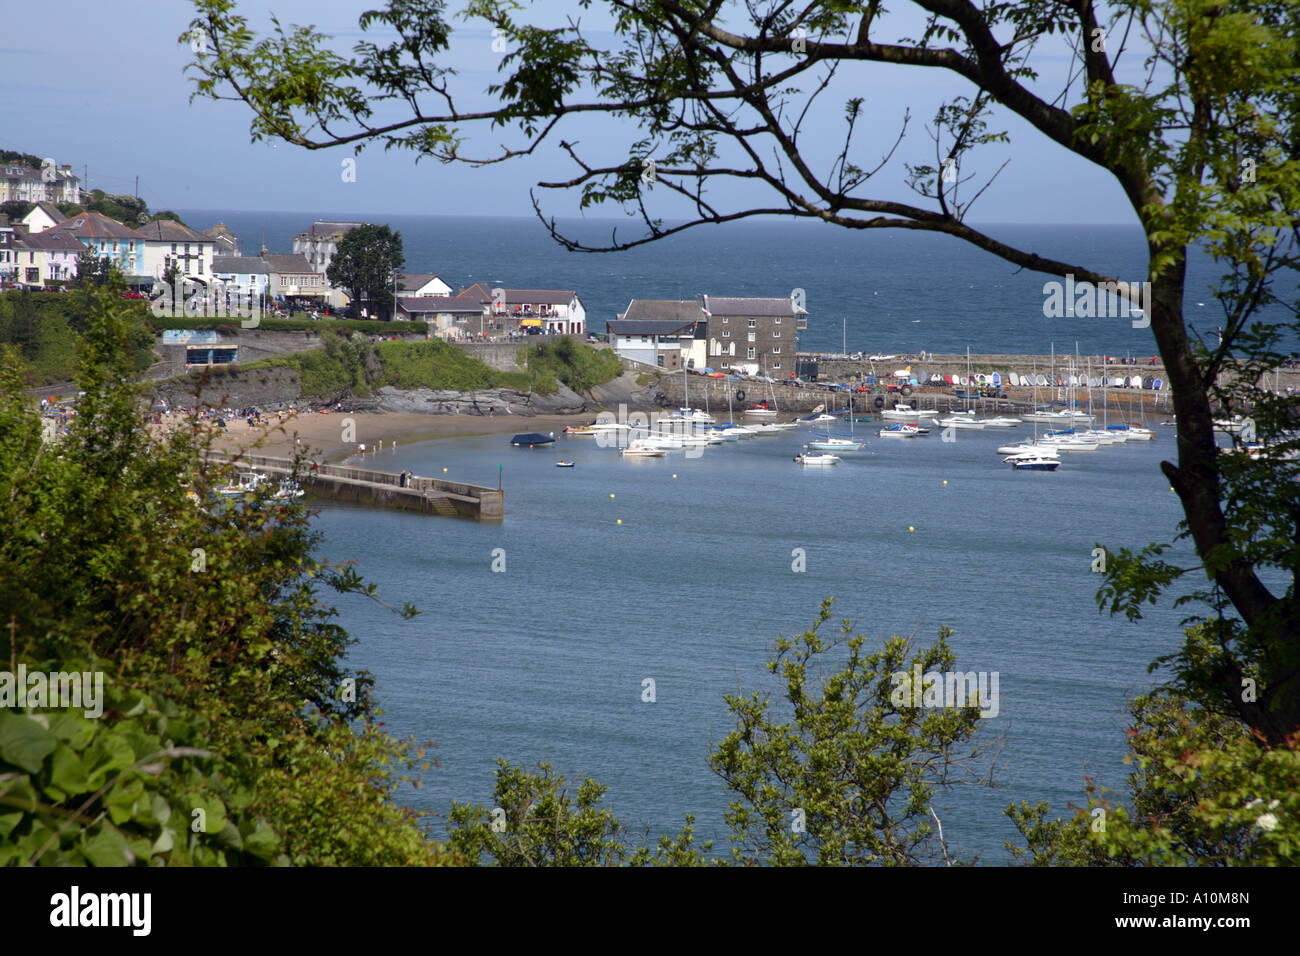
(545, 661)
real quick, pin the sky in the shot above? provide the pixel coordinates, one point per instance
(112, 97)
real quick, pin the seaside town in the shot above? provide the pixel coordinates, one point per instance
(754, 477)
(743, 350)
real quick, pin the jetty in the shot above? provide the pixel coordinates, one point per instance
(370, 486)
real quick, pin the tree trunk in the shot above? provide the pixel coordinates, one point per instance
(1195, 478)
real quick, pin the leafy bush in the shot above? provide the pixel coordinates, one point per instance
(578, 366)
(107, 560)
(134, 787)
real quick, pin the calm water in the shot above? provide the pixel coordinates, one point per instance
(546, 661)
(891, 290)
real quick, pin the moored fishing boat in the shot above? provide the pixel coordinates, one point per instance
(817, 459)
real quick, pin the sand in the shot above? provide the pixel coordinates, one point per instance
(322, 433)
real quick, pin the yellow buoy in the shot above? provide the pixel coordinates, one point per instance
(910, 528)
(620, 520)
(444, 471)
(945, 481)
(611, 494)
(674, 476)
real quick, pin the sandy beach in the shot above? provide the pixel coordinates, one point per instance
(322, 433)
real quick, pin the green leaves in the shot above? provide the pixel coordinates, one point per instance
(841, 774)
(25, 741)
(365, 262)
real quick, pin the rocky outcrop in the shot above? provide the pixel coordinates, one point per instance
(500, 401)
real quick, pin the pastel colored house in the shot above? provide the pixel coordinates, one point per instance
(109, 239)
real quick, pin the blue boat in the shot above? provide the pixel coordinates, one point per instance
(532, 440)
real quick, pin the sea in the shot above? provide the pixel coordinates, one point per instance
(871, 290)
(601, 625)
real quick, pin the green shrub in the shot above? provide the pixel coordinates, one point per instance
(578, 366)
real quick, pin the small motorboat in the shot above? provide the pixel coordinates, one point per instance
(643, 449)
(532, 440)
(1002, 423)
(1028, 448)
(962, 420)
(580, 431)
(817, 459)
(840, 445)
(1033, 462)
(564, 464)
(901, 431)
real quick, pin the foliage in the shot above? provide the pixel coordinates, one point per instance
(578, 366)
(16, 156)
(440, 365)
(94, 270)
(119, 554)
(1204, 792)
(76, 791)
(16, 209)
(45, 328)
(129, 210)
(364, 264)
(854, 767)
(536, 822)
(847, 779)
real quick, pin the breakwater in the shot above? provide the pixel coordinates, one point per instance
(370, 486)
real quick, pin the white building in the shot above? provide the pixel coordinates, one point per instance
(167, 241)
(419, 285)
(44, 215)
(319, 241)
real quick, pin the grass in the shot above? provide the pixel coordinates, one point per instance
(344, 365)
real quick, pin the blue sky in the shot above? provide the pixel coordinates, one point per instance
(111, 96)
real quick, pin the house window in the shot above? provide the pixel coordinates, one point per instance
(726, 334)
(776, 350)
(660, 358)
(173, 248)
(753, 323)
(724, 320)
(776, 365)
(753, 336)
(776, 334)
(778, 320)
(751, 353)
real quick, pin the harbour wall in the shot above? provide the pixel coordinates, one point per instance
(370, 486)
